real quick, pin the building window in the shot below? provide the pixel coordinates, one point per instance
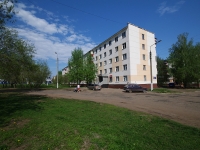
(143, 37)
(117, 69)
(116, 59)
(110, 43)
(100, 56)
(100, 64)
(96, 64)
(145, 78)
(105, 71)
(143, 46)
(104, 46)
(104, 54)
(124, 56)
(125, 78)
(96, 58)
(105, 63)
(144, 67)
(125, 67)
(123, 34)
(116, 49)
(110, 52)
(100, 71)
(123, 45)
(116, 39)
(110, 61)
(110, 70)
(110, 79)
(95, 51)
(117, 79)
(143, 56)
(99, 48)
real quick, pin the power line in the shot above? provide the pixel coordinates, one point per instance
(86, 12)
(107, 19)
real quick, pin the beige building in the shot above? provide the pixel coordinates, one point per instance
(124, 58)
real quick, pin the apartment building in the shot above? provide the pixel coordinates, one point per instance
(124, 58)
(65, 70)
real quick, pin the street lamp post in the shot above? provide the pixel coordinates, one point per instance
(151, 64)
(57, 68)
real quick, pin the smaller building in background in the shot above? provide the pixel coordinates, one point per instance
(65, 70)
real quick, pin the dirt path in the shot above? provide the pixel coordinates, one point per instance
(182, 107)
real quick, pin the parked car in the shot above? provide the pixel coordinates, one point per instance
(94, 87)
(171, 85)
(134, 88)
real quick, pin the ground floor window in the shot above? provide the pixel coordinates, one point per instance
(117, 78)
(145, 78)
(125, 78)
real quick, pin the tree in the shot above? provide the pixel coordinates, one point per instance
(16, 61)
(6, 11)
(60, 77)
(90, 69)
(38, 73)
(76, 68)
(181, 59)
(16, 56)
(163, 71)
(65, 79)
(195, 63)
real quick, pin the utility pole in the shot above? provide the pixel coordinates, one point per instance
(151, 64)
(57, 68)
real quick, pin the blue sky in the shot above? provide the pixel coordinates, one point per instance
(62, 25)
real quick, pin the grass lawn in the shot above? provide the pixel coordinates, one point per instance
(41, 123)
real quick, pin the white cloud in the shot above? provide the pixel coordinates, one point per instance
(21, 6)
(38, 23)
(50, 37)
(30, 18)
(46, 45)
(169, 9)
(78, 38)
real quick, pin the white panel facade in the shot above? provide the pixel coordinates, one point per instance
(134, 48)
(133, 53)
(152, 47)
(134, 60)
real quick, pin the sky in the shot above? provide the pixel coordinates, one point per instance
(62, 25)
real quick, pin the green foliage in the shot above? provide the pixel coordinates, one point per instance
(162, 71)
(16, 56)
(16, 62)
(184, 57)
(6, 11)
(81, 67)
(17, 65)
(90, 68)
(62, 79)
(39, 122)
(195, 67)
(40, 71)
(76, 68)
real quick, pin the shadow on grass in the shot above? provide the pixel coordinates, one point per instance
(10, 103)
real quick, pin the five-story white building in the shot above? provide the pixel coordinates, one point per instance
(124, 58)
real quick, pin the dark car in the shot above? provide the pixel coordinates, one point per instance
(94, 87)
(134, 88)
(172, 85)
